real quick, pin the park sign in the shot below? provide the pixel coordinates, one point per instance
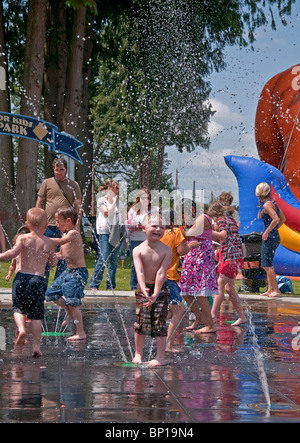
(40, 131)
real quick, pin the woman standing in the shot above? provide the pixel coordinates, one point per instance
(108, 209)
(272, 218)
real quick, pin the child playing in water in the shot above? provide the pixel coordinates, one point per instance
(174, 238)
(72, 281)
(33, 250)
(14, 263)
(230, 260)
(152, 259)
(198, 279)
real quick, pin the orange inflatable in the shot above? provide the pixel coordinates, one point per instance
(277, 125)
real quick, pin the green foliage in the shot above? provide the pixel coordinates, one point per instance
(76, 4)
(154, 66)
(149, 82)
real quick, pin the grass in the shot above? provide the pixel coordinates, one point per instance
(122, 276)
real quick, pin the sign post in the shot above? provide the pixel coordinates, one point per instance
(40, 131)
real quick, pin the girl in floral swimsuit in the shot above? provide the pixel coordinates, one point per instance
(198, 276)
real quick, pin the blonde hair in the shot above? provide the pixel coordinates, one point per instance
(153, 218)
(36, 217)
(225, 197)
(262, 191)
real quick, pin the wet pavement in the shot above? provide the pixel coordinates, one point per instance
(216, 378)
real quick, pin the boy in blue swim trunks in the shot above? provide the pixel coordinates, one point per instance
(152, 259)
(67, 290)
(33, 251)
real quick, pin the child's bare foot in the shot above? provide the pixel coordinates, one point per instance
(137, 359)
(156, 362)
(77, 337)
(239, 321)
(205, 330)
(21, 338)
(193, 326)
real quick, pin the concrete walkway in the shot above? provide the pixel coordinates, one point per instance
(222, 377)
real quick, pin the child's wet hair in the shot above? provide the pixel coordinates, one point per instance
(36, 217)
(216, 209)
(68, 212)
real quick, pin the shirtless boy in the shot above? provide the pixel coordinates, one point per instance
(34, 250)
(152, 259)
(71, 283)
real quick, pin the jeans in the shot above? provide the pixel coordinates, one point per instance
(54, 232)
(70, 284)
(133, 277)
(107, 254)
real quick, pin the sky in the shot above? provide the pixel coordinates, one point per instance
(234, 97)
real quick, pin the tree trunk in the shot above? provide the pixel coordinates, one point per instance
(145, 172)
(31, 102)
(56, 57)
(160, 165)
(74, 80)
(8, 209)
(84, 172)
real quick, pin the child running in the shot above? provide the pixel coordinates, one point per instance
(152, 259)
(230, 260)
(71, 283)
(33, 250)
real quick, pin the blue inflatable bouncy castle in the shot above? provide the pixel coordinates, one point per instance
(249, 173)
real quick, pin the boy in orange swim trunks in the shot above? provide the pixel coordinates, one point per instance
(152, 259)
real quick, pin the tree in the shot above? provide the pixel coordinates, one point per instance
(155, 57)
(31, 99)
(56, 58)
(158, 60)
(8, 210)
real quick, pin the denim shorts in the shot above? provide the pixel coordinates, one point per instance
(28, 295)
(268, 248)
(70, 285)
(175, 297)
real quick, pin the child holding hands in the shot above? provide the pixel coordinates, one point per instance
(71, 283)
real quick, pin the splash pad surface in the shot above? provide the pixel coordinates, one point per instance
(214, 379)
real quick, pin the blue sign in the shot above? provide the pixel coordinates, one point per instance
(40, 131)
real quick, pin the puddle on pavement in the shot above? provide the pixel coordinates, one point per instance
(214, 379)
